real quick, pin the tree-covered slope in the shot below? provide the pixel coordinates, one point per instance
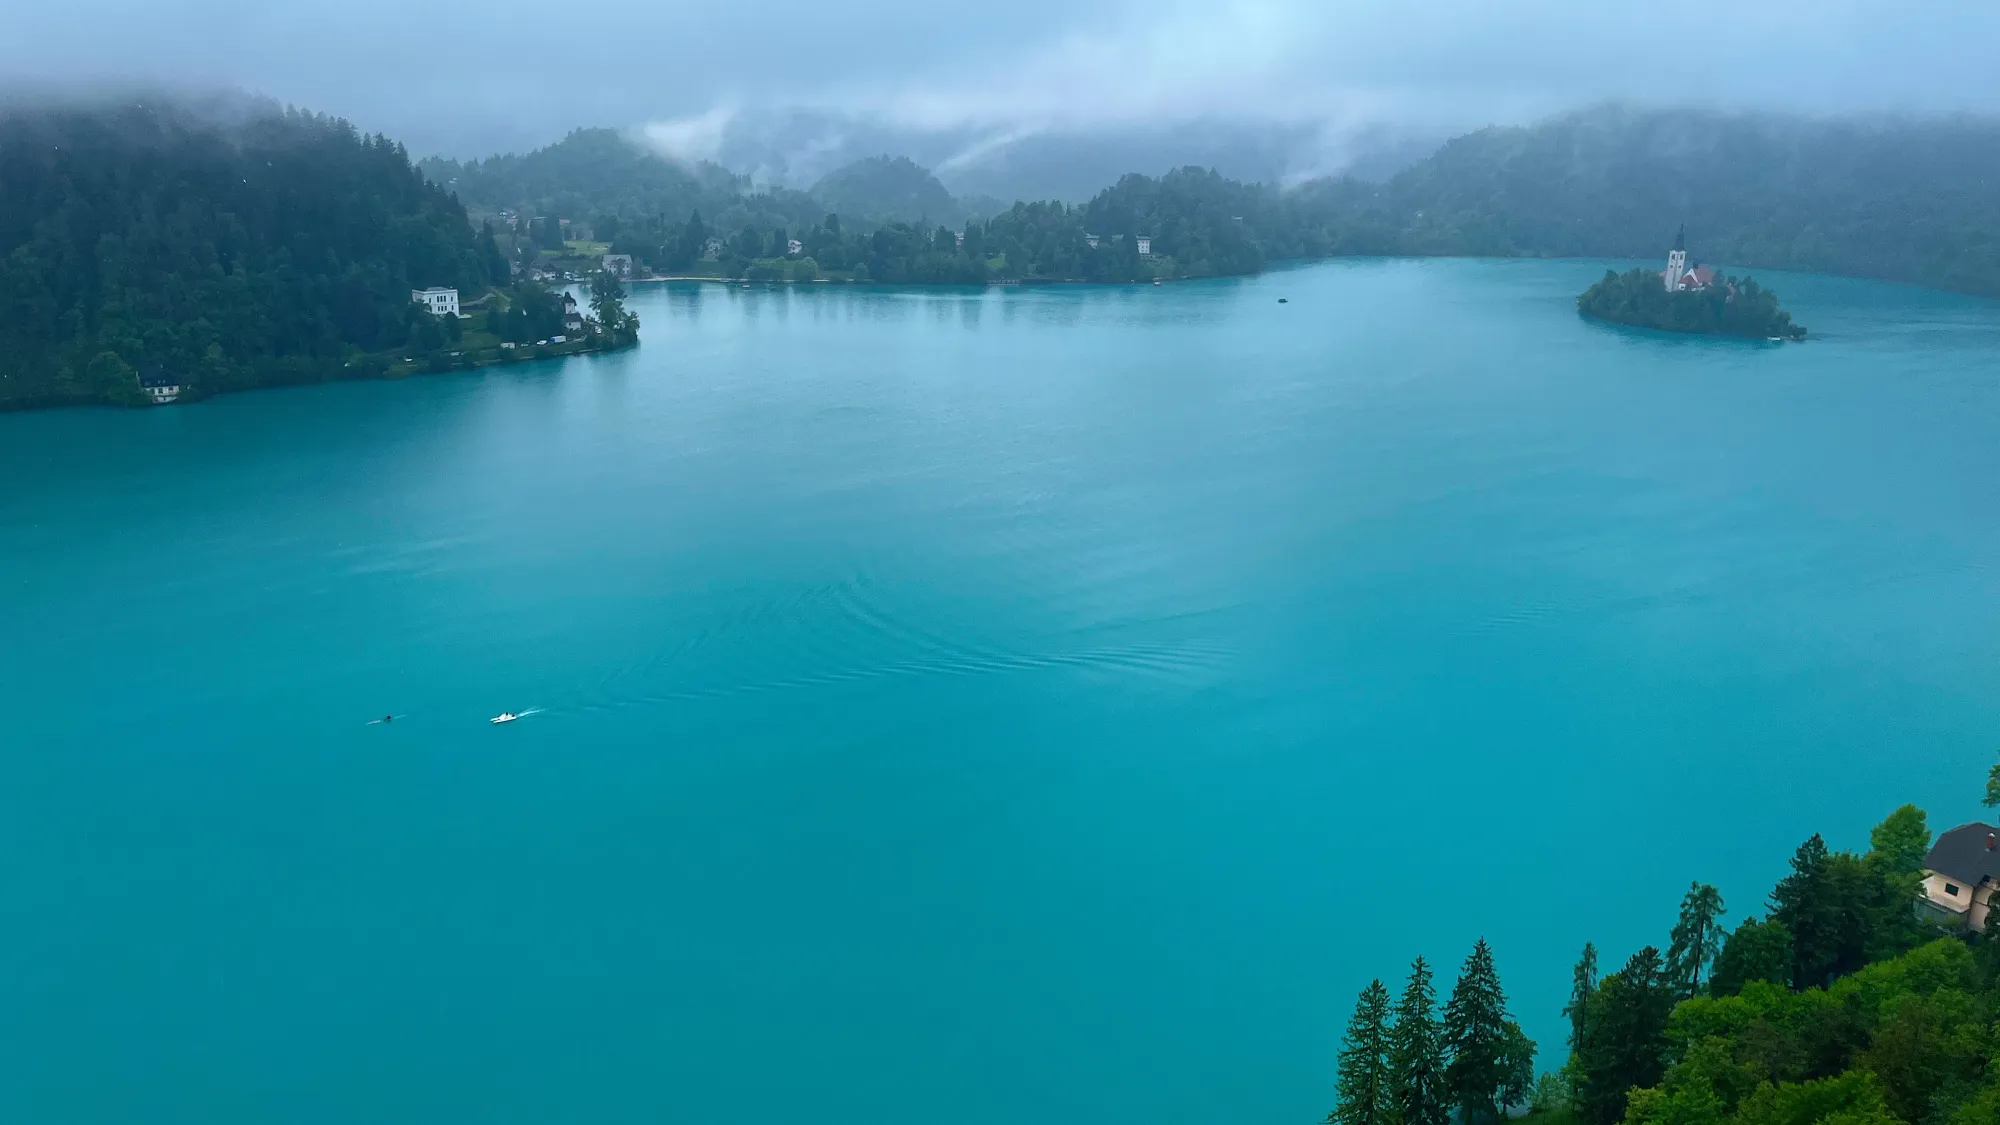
(269, 249)
(597, 174)
(1905, 200)
(886, 189)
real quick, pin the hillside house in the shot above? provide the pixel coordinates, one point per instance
(436, 301)
(618, 265)
(1960, 874)
(161, 385)
(1145, 247)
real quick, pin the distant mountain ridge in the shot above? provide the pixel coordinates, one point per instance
(1905, 200)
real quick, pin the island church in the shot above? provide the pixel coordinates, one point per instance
(1677, 275)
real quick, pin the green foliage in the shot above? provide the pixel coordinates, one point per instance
(1757, 951)
(1416, 1054)
(1900, 842)
(1364, 1095)
(1475, 1031)
(1844, 910)
(1853, 1098)
(1517, 1066)
(607, 308)
(1992, 798)
(262, 250)
(1551, 1094)
(1729, 308)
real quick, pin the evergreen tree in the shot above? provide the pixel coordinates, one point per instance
(1583, 981)
(1625, 1040)
(1475, 1034)
(1839, 912)
(1992, 798)
(1364, 1063)
(1697, 938)
(1804, 902)
(1416, 1054)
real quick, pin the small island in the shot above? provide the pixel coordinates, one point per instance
(1696, 299)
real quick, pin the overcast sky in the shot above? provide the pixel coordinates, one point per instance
(467, 76)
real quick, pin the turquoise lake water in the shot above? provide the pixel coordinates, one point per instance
(982, 706)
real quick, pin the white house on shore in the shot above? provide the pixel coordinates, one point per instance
(438, 302)
(161, 385)
(618, 265)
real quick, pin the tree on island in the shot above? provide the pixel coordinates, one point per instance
(1732, 307)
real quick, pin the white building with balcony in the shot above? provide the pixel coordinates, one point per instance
(438, 302)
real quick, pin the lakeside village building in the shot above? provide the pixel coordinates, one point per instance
(1678, 277)
(1145, 243)
(438, 302)
(161, 385)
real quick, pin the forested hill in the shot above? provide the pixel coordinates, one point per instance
(598, 174)
(1905, 200)
(887, 189)
(271, 249)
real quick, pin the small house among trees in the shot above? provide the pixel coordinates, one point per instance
(1960, 874)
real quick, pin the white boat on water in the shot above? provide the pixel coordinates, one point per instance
(504, 717)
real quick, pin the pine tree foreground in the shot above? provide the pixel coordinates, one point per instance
(1364, 1063)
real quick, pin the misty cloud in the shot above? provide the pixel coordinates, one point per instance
(469, 76)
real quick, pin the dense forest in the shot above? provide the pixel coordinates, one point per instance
(1732, 307)
(1836, 1006)
(1905, 200)
(227, 250)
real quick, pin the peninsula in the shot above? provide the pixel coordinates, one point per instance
(1689, 298)
(150, 254)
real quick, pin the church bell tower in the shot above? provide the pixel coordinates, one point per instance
(1677, 260)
